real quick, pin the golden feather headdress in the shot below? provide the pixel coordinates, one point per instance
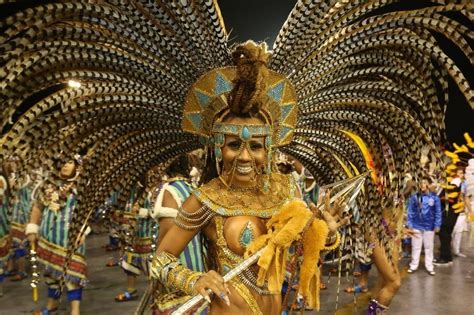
(207, 102)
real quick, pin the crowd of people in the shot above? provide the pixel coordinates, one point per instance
(139, 223)
(430, 212)
(433, 209)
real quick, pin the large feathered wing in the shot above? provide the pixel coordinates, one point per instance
(372, 83)
(107, 75)
(104, 77)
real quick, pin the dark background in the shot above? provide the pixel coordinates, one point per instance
(261, 20)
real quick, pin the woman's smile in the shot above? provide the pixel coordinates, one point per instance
(244, 169)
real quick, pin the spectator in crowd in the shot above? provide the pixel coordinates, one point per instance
(424, 219)
(449, 219)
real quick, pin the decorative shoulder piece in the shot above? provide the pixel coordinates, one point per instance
(196, 220)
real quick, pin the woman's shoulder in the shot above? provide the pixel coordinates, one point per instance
(192, 204)
(193, 214)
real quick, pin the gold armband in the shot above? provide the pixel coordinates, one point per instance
(171, 273)
(335, 240)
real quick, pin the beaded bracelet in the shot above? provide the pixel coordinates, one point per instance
(334, 244)
(169, 271)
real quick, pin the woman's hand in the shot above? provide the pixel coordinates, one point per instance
(332, 214)
(212, 282)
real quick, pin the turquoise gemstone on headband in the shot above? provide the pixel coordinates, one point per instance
(286, 110)
(202, 98)
(219, 139)
(276, 92)
(245, 134)
(221, 85)
(195, 119)
(218, 153)
(284, 131)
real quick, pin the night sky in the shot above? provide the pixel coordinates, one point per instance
(261, 20)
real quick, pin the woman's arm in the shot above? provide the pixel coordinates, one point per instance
(168, 269)
(36, 211)
(166, 223)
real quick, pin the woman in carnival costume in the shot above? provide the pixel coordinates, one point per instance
(365, 73)
(246, 203)
(19, 218)
(137, 245)
(140, 245)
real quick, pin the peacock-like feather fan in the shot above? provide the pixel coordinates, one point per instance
(134, 60)
(374, 69)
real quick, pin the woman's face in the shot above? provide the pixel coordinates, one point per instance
(68, 170)
(247, 160)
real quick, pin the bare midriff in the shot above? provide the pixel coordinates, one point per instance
(269, 304)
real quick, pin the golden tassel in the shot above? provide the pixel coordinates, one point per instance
(313, 242)
(283, 229)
